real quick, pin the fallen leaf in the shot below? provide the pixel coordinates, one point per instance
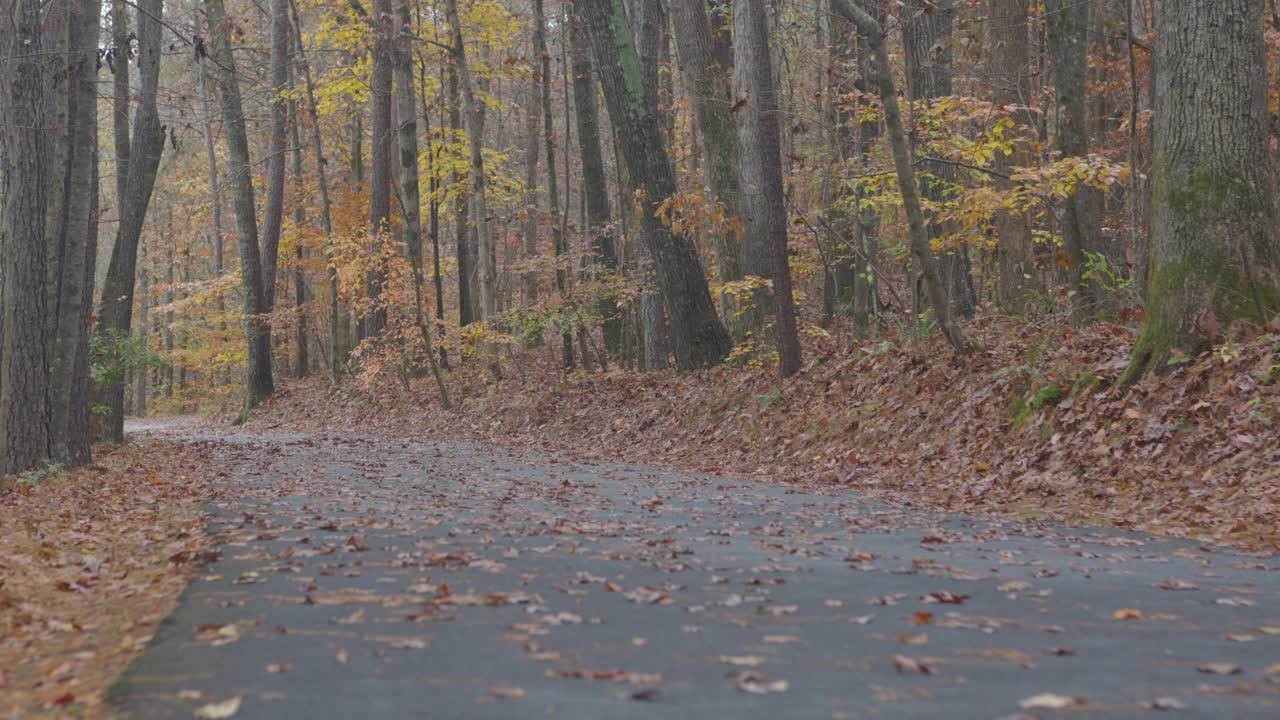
(511, 693)
(1219, 668)
(905, 664)
(742, 660)
(1050, 701)
(757, 683)
(920, 617)
(1127, 614)
(342, 656)
(1165, 703)
(279, 667)
(216, 711)
(781, 639)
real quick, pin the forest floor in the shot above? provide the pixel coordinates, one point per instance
(1035, 426)
(90, 562)
(361, 576)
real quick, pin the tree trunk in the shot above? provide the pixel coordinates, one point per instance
(145, 147)
(927, 40)
(753, 257)
(919, 239)
(1010, 64)
(336, 350)
(712, 98)
(410, 198)
(375, 322)
(302, 357)
(1068, 46)
(762, 141)
(273, 210)
(595, 185)
(553, 186)
(258, 381)
(698, 339)
(479, 183)
(647, 24)
(24, 371)
(532, 153)
(1215, 255)
(71, 295)
(468, 301)
(855, 272)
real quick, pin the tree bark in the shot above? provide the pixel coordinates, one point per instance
(375, 322)
(479, 183)
(273, 209)
(1010, 62)
(712, 99)
(763, 143)
(698, 339)
(258, 381)
(595, 185)
(24, 370)
(1068, 45)
(468, 299)
(336, 350)
(646, 20)
(410, 198)
(71, 295)
(1215, 255)
(145, 148)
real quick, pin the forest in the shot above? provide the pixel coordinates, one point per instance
(1019, 258)
(379, 194)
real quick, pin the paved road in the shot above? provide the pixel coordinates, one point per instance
(363, 578)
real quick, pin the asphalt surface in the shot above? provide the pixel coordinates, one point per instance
(368, 578)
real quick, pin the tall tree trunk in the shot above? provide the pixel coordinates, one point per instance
(595, 185)
(140, 375)
(697, 337)
(1215, 254)
(302, 357)
(215, 195)
(532, 153)
(273, 210)
(648, 23)
(919, 239)
(468, 283)
(553, 187)
(855, 269)
(410, 199)
(712, 98)
(258, 382)
(1068, 45)
(79, 422)
(927, 40)
(71, 294)
(24, 370)
(760, 138)
(753, 258)
(1010, 62)
(336, 349)
(120, 55)
(479, 184)
(375, 322)
(115, 314)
